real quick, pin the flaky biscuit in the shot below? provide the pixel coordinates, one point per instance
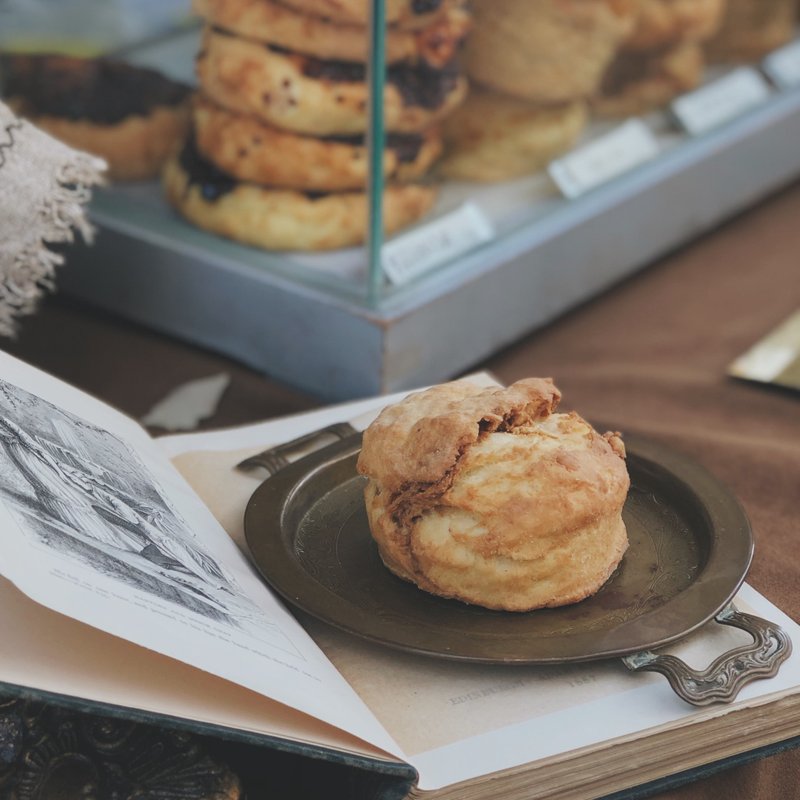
(282, 219)
(752, 28)
(489, 497)
(401, 13)
(251, 150)
(132, 117)
(275, 23)
(546, 51)
(667, 22)
(321, 98)
(640, 82)
(494, 137)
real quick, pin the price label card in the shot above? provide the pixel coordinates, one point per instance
(414, 253)
(783, 66)
(607, 157)
(720, 101)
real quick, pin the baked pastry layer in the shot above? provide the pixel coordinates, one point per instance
(494, 137)
(282, 219)
(752, 28)
(317, 97)
(275, 23)
(402, 13)
(668, 22)
(251, 150)
(132, 117)
(489, 497)
(640, 82)
(546, 51)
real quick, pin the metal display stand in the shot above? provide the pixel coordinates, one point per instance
(323, 336)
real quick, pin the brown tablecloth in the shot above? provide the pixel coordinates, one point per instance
(647, 357)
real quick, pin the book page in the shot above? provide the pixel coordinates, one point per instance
(99, 526)
(455, 721)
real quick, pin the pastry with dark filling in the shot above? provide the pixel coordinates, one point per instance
(132, 117)
(253, 151)
(281, 219)
(321, 97)
(488, 496)
(435, 44)
(401, 13)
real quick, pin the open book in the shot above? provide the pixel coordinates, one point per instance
(126, 583)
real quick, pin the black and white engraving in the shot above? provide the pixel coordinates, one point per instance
(82, 492)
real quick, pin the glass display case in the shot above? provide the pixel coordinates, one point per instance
(426, 182)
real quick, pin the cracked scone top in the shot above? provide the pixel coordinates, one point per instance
(488, 496)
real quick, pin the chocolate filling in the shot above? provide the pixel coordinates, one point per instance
(419, 84)
(212, 182)
(96, 90)
(425, 6)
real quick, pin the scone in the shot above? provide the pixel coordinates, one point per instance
(133, 117)
(546, 51)
(490, 497)
(319, 97)
(494, 137)
(752, 28)
(666, 22)
(640, 82)
(282, 219)
(251, 150)
(274, 23)
(402, 13)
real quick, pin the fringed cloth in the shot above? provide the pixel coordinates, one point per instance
(44, 189)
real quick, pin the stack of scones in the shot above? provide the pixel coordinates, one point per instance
(277, 156)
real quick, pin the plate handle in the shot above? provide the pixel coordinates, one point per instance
(727, 674)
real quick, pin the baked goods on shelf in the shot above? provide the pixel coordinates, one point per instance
(404, 13)
(132, 117)
(318, 97)
(638, 82)
(283, 26)
(282, 219)
(661, 59)
(489, 496)
(752, 28)
(251, 150)
(546, 51)
(496, 137)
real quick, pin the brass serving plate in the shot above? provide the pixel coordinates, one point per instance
(690, 549)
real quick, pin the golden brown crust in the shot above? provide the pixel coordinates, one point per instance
(135, 149)
(666, 22)
(275, 23)
(132, 117)
(251, 150)
(638, 83)
(283, 219)
(402, 13)
(494, 137)
(281, 89)
(488, 496)
(546, 51)
(752, 28)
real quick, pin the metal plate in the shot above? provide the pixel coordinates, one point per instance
(690, 548)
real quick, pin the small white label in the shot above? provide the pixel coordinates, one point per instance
(597, 162)
(721, 101)
(414, 253)
(783, 66)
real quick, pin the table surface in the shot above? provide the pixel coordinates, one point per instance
(649, 356)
